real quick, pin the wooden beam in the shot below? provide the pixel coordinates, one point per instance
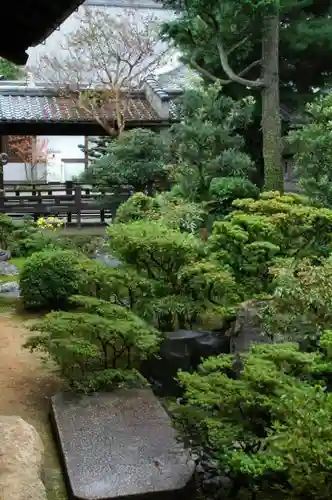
(86, 152)
(2, 150)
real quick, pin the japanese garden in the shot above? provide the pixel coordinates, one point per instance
(205, 302)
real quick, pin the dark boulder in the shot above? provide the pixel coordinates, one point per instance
(182, 349)
(4, 255)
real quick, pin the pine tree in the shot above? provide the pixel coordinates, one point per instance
(232, 42)
(98, 148)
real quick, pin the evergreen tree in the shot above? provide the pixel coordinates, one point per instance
(206, 146)
(136, 158)
(203, 28)
(9, 71)
(98, 148)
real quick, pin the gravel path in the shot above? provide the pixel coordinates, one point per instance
(25, 388)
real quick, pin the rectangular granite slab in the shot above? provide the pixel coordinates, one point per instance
(118, 445)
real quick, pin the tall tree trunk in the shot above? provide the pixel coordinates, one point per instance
(271, 121)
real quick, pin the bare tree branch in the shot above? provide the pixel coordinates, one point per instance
(108, 54)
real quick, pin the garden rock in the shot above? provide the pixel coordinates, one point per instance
(182, 349)
(10, 289)
(120, 445)
(217, 486)
(247, 330)
(4, 255)
(211, 481)
(8, 269)
(108, 260)
(21, 453)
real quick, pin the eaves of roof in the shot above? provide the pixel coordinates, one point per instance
(27, 23)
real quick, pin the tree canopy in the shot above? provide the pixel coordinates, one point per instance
(9, 71)
(305, 41)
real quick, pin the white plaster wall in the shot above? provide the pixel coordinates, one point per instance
(15, 172)
(73, 170)
(66, 145)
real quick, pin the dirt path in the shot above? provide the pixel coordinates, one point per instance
(25, 388)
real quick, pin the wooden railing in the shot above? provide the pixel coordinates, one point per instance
(65, 200)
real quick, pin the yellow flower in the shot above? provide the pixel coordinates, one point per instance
(50, 223)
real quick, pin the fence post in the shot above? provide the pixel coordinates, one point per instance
(2, 200)
(40, 201)
(78, 204)
(34, 193)
(69, 190)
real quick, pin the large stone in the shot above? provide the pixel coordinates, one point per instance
(108, 260)
(247, 329)
(4, 255)
(118, 445)
(8, 269)
(21, 453)
(182, 349)
(10, 289)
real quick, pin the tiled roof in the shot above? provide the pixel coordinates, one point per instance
(41, 106)
(172, 84)
(178, 79)
(166, 95)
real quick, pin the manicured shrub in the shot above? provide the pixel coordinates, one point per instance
(224, 190)
(274, 226)
(85, 243)
(49, 278)
(167, 275)
(27, 238)
(264, 420)
(98, 347)
(301, 307)
(172, 211)
(138, 206)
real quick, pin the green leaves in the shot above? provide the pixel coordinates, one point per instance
(167, 208)
(136, 158)
(49, 278)
(302, 306)
(10, 71)
(303, 440)
(154, 248)
(313, 149)
(206, 143)
(95, 347)
(259, 231)
(268, 426)
(179, 283)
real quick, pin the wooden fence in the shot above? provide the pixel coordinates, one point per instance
(72, 201)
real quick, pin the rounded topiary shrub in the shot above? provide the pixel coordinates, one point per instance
(49, 278)
(224, 190)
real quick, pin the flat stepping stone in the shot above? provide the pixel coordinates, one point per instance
(120, 444)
